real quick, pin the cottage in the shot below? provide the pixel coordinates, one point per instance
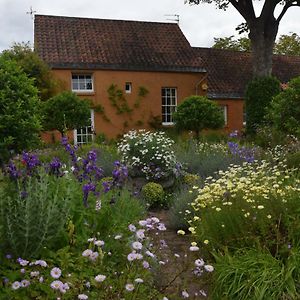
(136, 73)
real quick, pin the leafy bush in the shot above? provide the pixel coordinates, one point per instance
(244, 207)
(66, 111)
(284, 111)
(34, 213)
(259, 93)
(197, 113)
(204, 159)
(293, 160)
(153, 193)
(20, 118)
(149, 154)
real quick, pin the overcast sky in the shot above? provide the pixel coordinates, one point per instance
(200, 23)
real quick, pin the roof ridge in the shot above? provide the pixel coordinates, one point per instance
(100, 19)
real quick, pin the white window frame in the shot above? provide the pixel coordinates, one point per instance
(168, 101)
(85, 82)
(225, 113)
(129, 84)
(89, 132)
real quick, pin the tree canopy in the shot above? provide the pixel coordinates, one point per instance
(262, 29)
(66, 111)
(197, 113)
(287, 44)
(34, 68)
(20, 118)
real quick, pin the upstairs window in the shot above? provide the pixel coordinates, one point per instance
(169, 104)
(128, 87)
(82, 83)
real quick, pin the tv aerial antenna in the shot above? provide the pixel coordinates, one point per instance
(174, 19)
(31, 12)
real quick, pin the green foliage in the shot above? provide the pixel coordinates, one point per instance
(20, 118)
(143, 92)
(204, 159)
(284, 111)
(288, 44)
(293, 160)
(229, 43)
(255, 274)
(118, 100)
(34, 213)
(34, 68)
(153, 193)
(259, 93)
(180, 204)
(197, 113)
(66, 111)
(254, 205)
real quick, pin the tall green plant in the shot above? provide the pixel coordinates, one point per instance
(259, 93)
(284, 111)
(33, 213)
(20, 118)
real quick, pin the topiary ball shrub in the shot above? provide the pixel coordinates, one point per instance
(197, 113)
(153, 194)
(259, 94)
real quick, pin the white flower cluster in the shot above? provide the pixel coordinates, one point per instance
(148, 152)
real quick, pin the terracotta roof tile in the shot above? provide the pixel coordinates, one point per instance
(229, 71)
(69, 42)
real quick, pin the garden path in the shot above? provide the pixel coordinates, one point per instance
(176, 275)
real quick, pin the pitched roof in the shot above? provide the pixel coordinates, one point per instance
(68, 42)
(229, 71)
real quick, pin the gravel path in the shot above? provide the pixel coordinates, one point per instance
(176, 272)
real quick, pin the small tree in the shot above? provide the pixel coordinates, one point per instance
(259, 93)
(284, 111)
(20, 118)
(66, 111)
(197, 113)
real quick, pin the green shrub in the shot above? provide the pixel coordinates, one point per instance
(259, 93)
(197, 113)
(244, 206)
(153, 193)
(20, 117)
(204, 159)
(253, 274)
(284, 111)
(33, 214)
(293, 160)
(66, 111)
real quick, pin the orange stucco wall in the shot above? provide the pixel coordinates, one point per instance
(235, 109)
(150, 105)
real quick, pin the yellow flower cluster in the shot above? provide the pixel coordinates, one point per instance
(247, 187)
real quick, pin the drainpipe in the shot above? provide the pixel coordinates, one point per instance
(198, 83)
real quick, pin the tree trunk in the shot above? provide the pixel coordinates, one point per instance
(262, 35)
